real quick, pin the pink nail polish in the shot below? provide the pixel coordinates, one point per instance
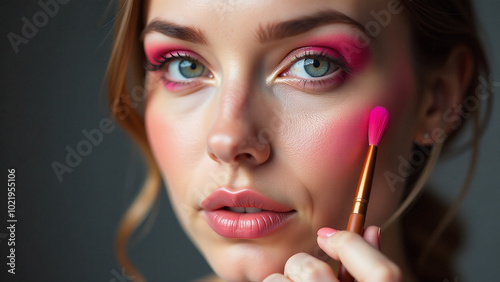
(326, 232)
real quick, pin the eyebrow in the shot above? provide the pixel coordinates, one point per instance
(276, 31)
(170, 29)
(271, 32)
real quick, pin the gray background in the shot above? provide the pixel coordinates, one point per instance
(53, 89)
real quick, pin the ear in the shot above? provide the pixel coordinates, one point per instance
(443, 92)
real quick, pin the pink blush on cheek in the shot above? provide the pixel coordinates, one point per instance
(334, 152)
(330, 164)
(165, 148)
(343, 145)
(159, 142)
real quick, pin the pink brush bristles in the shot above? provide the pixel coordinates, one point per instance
(379, 119)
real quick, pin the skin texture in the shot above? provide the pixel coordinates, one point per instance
(248, 123)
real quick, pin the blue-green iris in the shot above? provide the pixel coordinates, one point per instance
(316, 67)
(191, 69)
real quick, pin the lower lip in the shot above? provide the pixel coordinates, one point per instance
(246, 225)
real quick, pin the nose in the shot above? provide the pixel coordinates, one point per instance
(236, 137)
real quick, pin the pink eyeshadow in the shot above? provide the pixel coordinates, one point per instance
(356, 53)
(155, 51)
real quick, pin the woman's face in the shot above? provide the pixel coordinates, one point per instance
(257, 115)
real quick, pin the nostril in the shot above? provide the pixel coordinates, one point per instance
(213, 156)
(244, 157)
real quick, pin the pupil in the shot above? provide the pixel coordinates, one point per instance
(193, 66)
(316, 64)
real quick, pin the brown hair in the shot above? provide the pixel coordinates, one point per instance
(125, 70)
(437, 27)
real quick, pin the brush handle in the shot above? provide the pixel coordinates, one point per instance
(356, 224)
(356, 221)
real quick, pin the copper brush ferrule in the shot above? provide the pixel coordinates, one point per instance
(362, 196)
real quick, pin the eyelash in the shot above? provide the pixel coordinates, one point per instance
(323, 82)
(323, 55)
(161, 63)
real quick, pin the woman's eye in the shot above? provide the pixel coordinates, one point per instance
(183, 69)
(180, 71)
(313, 68)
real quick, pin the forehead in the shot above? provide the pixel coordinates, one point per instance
(234, 15)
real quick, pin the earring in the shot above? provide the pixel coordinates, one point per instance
(424, 139)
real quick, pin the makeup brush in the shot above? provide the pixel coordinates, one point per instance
(379, 118)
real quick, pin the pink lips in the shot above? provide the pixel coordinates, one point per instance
(244, 213)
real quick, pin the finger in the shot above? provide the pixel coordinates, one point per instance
(276, 277)
(372, 235)
(304, 267)
(362, 260)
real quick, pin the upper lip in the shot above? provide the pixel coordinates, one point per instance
(246, 198)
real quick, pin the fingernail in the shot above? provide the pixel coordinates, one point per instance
(326, 232)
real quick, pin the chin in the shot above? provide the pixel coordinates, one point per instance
(254, 260)
(248, 267)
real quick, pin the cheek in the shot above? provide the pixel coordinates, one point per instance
(326, 149)
(176, 127)
(333, 147)
(324, 152)
(169, 139)
(160, 132)
(333, 159)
